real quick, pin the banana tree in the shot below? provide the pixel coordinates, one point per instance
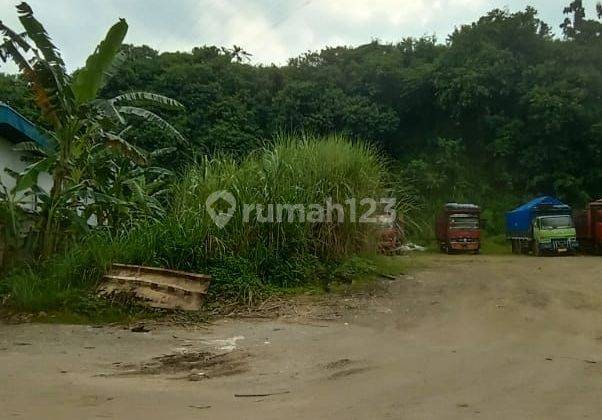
(79, 122)
(14, 220)
(124, 191)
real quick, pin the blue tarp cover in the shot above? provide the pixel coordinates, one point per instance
(15, 127)
(519, 219)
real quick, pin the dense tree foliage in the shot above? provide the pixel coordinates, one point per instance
(502, 108)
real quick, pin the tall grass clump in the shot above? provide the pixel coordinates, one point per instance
(294, 172)
(246, 258)
(287, 253)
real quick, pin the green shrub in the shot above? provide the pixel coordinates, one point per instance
(247, 260)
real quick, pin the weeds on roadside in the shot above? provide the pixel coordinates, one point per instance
(248, 261)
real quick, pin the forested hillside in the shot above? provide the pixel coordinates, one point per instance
(500, 110)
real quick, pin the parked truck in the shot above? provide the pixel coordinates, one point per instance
(458, 228)
(541, 226)
(588, 224)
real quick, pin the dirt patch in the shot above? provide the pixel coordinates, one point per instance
(502, 337)
(348, 372)
(534, 298)
(344, 367)
(196, 365)
(580, 301)
(338, 364)
(327, 307)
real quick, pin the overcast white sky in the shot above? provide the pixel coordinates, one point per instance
(271, 30)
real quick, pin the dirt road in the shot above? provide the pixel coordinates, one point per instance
(485, 337)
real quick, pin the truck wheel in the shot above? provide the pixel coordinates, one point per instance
(514, 246)
(536, 249)
(524, 248)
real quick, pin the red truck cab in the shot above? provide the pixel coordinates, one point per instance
(588, 224)
(458, 228)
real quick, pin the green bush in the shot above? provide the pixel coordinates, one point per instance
(247, 260)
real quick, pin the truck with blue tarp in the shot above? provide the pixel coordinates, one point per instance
(541, 226)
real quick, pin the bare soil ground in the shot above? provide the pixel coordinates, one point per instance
(489, 337)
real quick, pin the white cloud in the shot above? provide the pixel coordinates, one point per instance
(271, 30)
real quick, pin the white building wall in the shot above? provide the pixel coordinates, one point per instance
(9, 158)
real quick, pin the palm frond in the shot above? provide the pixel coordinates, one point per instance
(50, 71)
(9, 49)
(100, 197)
(29, 177)
(125, 130)
(14, 37)
(13, 174)
(151, 117)
(148, 97)
(156, 170)
(101, 64)
(36, 32)
(38, 75)
(118, 143)
(49, 91)
(29, 146)
(163, 151)
(107, 109)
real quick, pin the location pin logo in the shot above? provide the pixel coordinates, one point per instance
(221, 219)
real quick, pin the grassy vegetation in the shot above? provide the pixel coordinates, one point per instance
(495, 244)
(247, 260)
